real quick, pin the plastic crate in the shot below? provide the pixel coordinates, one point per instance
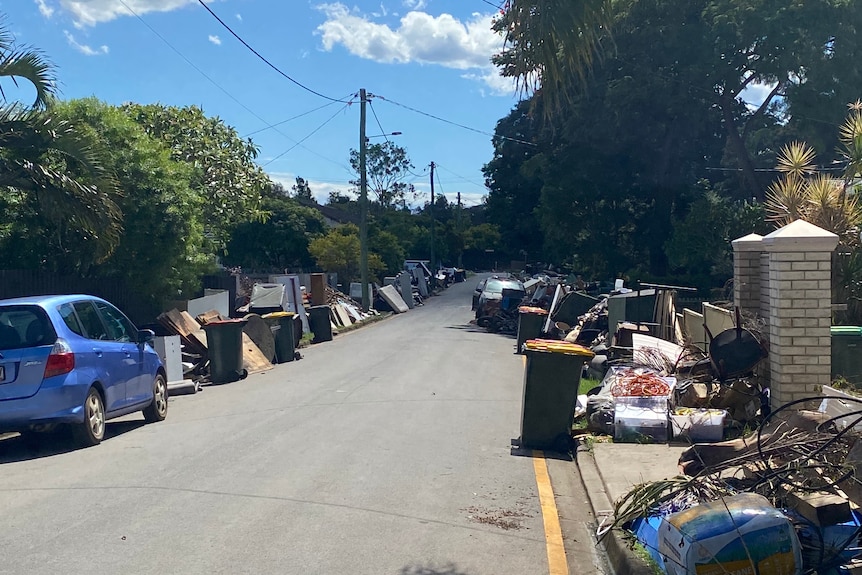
(699, 424)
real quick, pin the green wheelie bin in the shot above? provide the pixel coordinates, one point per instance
(224, 345)
(318, 322)
(530, 323)
(281, 324)
(552, 375)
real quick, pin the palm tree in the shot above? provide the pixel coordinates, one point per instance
(551, 44)
(39, 151)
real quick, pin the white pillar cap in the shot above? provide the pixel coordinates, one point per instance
(800, 236)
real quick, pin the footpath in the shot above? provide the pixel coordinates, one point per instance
(609, 471)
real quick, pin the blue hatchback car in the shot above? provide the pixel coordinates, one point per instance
(76, 360)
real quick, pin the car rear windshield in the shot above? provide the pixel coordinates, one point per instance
(497, 286)
(24, 326)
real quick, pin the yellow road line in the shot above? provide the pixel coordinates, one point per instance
(557, 563)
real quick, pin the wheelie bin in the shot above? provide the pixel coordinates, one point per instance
(224, 345)
(552, 375)
(281, 324)
(318, 322)
(530, 323)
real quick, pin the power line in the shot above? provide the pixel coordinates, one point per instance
(272, 126)
(259, 55)
(489, 3)
(317, 129)
(379, 125)
(222, 89)
(422, 175)
(485, 188)
(462, 126)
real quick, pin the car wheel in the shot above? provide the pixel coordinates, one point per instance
(158, 409)
(92, 430)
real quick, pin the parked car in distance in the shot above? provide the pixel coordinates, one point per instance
(492, 294)
(477, 292)
(76, 361)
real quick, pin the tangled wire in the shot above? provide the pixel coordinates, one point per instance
(794, 450)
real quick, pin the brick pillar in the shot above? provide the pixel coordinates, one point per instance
(800, 302)
(746, 272)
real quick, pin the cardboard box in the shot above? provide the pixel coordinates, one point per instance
(742, 535)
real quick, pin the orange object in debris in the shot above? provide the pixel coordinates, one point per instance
(530, 309)
(640, 385)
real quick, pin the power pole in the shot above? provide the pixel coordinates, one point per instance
(363, 206)
(460, 228)
(433, 234)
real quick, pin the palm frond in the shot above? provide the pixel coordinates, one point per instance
(26, 62)
(40, 155)
(552, 44)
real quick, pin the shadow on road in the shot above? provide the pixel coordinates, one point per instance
(36, 446)
(472, 328)
(518, 451)
(448, 569)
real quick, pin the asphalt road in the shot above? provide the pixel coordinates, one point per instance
(386, 451)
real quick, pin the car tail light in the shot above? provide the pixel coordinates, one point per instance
(61, 360)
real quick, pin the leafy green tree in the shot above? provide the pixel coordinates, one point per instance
(225, 173)
(805, 51)
(37, 152)
(161, 250)
(338, 251)
(301, 190)
(386, 246)
(387, 165)
(281, 241)
(699, 250)
(514, 188)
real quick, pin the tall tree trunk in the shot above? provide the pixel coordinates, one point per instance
(737, 144)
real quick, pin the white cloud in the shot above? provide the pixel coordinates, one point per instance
(319, 189)
(92, 12)
(214, 39)
(415, 4)
(442, 40)
(83, 48)
(239, 17)
(46, 10)
(499, 85)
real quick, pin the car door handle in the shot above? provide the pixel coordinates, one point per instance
(127, 352)
(97, 351)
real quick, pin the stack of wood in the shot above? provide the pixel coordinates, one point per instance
(194, 338)
(191, 333)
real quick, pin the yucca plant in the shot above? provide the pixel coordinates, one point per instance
(800, 193)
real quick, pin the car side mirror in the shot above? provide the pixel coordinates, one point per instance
(146, 335)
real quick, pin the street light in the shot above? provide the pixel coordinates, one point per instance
(382, 135)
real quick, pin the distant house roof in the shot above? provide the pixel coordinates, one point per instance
(334, 216)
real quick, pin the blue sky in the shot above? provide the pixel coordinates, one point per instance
(430, 55)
